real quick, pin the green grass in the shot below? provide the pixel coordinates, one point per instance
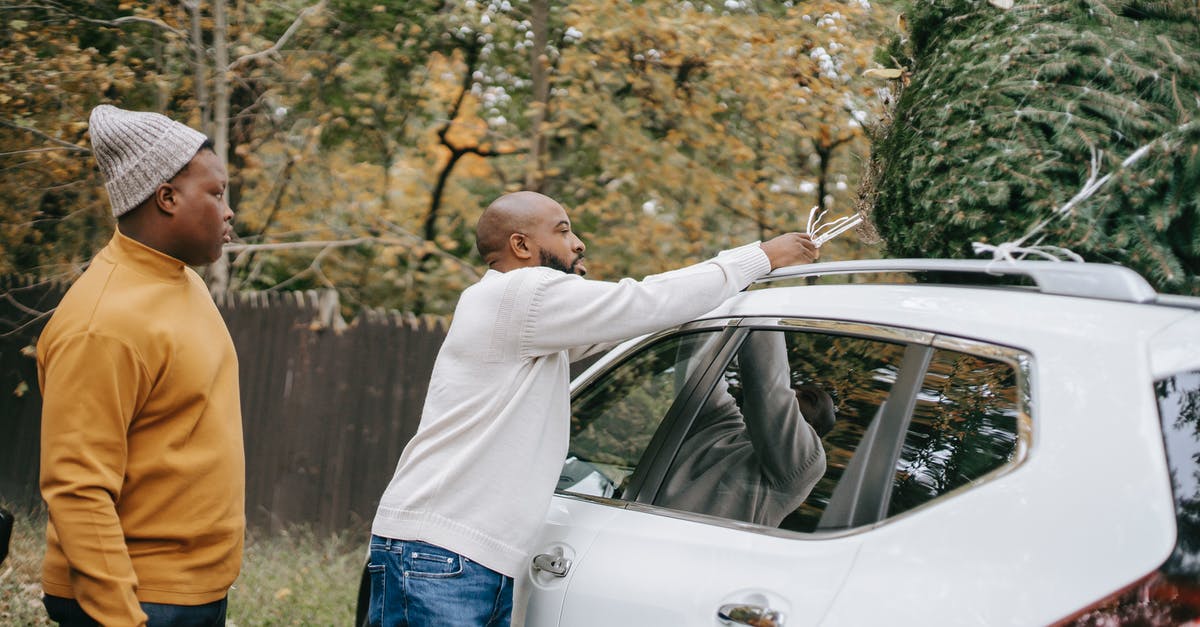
(21, 572)
(290, 577)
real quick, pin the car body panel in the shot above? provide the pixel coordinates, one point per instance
(1051, 550)
(648, 568)
(1176, 348)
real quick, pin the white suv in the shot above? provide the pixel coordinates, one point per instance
(997, 457)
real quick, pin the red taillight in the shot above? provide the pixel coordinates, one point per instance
(1153, 601)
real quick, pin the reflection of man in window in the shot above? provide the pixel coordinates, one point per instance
(756, 463)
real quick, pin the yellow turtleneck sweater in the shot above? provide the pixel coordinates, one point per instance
(142, 463)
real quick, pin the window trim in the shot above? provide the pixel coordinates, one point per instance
(1021, 362)
(638, 345)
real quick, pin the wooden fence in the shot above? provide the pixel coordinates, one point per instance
(327, 407)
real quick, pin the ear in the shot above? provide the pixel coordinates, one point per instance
(165, 197)
(519, 244)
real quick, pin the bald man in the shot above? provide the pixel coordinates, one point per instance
(460, 517)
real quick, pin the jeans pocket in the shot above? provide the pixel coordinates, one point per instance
(433, 565)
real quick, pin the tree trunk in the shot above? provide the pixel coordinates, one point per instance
(823, 153)
(218, 272)
(200, 69)
(220, 81)
(538, 71)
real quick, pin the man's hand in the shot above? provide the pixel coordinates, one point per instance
(790, 249)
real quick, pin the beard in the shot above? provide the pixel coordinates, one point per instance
(550, 260)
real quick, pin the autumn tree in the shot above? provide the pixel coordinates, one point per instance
(682, 128)
(187, 60)
(365, 138)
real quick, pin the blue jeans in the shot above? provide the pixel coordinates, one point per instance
(414, 584)
(68, 613)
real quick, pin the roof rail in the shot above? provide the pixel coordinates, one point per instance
(1090, 280)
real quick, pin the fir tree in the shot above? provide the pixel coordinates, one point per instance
(1003, 111)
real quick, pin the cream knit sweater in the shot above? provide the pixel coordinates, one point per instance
(478, 476)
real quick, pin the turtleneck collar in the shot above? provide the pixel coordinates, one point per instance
(126, 251)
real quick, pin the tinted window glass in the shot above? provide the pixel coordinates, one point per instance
(763, 449)
(1179, 408)
(613, 420)
(964, 425)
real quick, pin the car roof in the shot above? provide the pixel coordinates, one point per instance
(1084, 304)
(1087, 280)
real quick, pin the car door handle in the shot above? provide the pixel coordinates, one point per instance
(553, 563)
(754, 615)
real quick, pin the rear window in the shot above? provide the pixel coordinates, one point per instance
(1179, 409)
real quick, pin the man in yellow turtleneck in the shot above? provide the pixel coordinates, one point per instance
(142, 463)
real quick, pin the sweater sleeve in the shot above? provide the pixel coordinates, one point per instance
(567, 311)
(786, 447)
(92, 386)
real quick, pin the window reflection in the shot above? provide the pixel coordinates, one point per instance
(964, 425)
(613, 421)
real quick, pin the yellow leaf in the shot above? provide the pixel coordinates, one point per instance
(878, 72)
(283, 593)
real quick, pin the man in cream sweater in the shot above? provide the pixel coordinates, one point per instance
(459, 518)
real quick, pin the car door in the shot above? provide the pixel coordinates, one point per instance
(618, 548)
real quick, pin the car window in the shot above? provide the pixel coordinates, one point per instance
(753, 454)
(964, 425)
(776, 436)
(614, 419)
(1179, 577)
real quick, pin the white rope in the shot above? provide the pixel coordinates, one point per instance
(822, 233)
(1013, 250)
(1005, 251)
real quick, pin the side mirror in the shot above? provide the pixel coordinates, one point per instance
(6, 525)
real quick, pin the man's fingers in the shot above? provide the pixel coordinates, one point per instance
(791, 249)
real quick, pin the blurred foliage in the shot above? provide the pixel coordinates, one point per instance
(1001, 112)
(672, 129)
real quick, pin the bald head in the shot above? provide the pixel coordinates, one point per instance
(508, 214)
(525, 229)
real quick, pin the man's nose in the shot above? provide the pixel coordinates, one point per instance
(579, 245)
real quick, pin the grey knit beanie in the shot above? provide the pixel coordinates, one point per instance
(137, 151)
